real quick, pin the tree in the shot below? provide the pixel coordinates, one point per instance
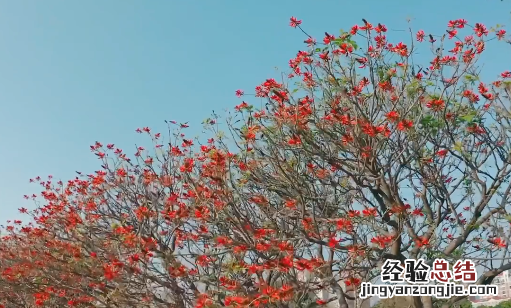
(368, 156)
(384, 133)
(395, 302)
(505, 304)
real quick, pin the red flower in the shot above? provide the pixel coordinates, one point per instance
(380, 28)
(420, 36)
(369, 212)
(362, 61)
(353, 213)
(442, 153)
(291, 203)
(488, 96)
(460, 23)
(354, 30)
(352, 281)
(392, 116)
(482, 88)
(381, 240)
(328, 38)
(239, 93)
(436, 104)
(333, 242)
(480, 29)
(452, 33)
(404, 125)
(500, 243)
(295, 140)
(241, 106)
(500, 34)
(294, 22)
(421, 241)
(417, 212)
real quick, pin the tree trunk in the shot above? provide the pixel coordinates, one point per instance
(427, 302)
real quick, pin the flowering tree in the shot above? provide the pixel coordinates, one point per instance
(359, 155)
(383, 158)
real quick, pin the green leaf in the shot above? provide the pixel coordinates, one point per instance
(471, 78)
(339, 41)
(413, 87)
(354, 44)
(473, 226)
(457, 253)
(469, 117)
(458, 146)
(427, 120)
(380, 73)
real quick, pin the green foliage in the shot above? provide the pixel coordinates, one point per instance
(465, 304)
(506, 304)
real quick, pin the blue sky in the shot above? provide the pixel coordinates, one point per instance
(73, 72)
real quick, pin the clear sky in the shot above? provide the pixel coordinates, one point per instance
(73, 72)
